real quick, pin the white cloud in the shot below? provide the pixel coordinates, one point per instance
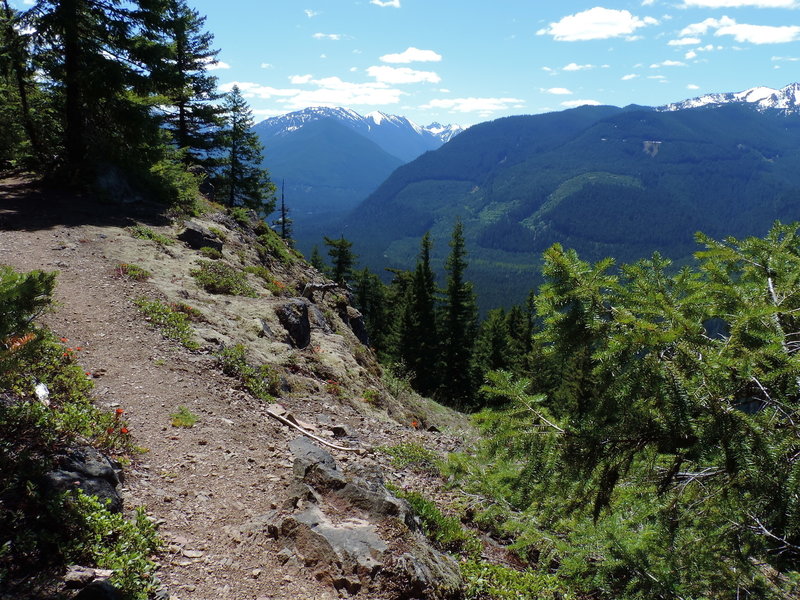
(657, 77)
(256, 90)
(702, 27)
(688, 41)
(743, 33)
(648, 2)
(692, 87)
(558, 91)
(576, 67)
(596, 24)
(629, 76)
(327, 36)
(300, 79)
(396, 75)
(761, 34)
(310, 13)
(477, 105)
(217, 65)
(690, 55)
(266, 65)
(741, 3)
(576, 103)
(668, 63)
(412, 55)
(392, 3)
(785, 59)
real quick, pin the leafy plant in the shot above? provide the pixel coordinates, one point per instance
(262, 381)
(145, 233)
(271, 245)
(444, 530)
(485, 581)
(183, 418)
(273, 285)
(221, 278)
(411, 454)
(210, 252)
(170, 320)
(132, 272)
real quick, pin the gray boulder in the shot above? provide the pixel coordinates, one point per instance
(196, 236)
(337, 527)
(294, 317)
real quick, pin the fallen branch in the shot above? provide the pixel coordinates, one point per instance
(290, 423)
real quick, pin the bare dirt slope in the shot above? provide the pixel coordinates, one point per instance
(205, 483)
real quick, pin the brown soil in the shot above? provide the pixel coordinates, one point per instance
(206, 483)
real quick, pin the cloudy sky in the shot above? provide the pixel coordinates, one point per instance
(466, 61)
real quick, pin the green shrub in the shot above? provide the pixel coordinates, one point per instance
(210, 252)
(221, 278)
(443, 530)
(271, 245)
(35, 530)
(170, 320)
(411, 454)
(241, 216)
(485, 581)
(132, 272)
(93, 535)
(263, 381)
(175, 185)
(183, 417)
(145, 233)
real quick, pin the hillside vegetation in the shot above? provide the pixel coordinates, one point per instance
(603, 180)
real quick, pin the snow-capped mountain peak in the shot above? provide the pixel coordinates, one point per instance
(397, 135)
(762, 98)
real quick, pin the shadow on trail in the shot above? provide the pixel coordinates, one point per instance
(27, 204)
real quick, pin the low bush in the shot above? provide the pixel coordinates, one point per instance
(170, 319)
(221, 278)
(262, 381)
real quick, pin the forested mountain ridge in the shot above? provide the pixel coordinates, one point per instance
(332, 158)
(606, 181)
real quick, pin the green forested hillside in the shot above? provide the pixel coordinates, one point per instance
(603, 180)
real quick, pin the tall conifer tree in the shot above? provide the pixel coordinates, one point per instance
(419, 337)
(459, 324)
(192, 115)
(241, 180)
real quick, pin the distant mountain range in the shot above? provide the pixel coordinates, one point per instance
(333, 158)
(763, 98)
(607, 181)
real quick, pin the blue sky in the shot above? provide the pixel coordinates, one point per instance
(466, 61)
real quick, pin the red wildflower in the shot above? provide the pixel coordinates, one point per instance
(119, 411)
(124, 430)
(110, 430)
(415, 424)
(65, 340)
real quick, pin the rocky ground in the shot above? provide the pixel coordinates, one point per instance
(209, 486)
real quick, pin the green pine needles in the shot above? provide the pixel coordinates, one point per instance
(653, 451)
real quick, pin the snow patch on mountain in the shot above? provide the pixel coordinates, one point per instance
(762, 98)
(397, 135)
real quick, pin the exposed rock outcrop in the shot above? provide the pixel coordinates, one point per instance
(355, 535)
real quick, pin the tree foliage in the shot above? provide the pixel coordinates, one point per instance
(656, 438)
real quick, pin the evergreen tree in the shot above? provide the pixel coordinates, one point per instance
(342, 258)
(317, 261)
(93, 55)
(16, 88)
(459, 324)
(419, 337)
(492, 352)
(370, 295)
(192, 114)
(241, 180)
(285, 221)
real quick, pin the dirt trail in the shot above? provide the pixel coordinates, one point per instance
(202, 483)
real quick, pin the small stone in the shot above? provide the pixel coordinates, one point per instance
(193, 553)
(256, 573)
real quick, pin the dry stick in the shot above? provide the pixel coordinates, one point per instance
(286, 421)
